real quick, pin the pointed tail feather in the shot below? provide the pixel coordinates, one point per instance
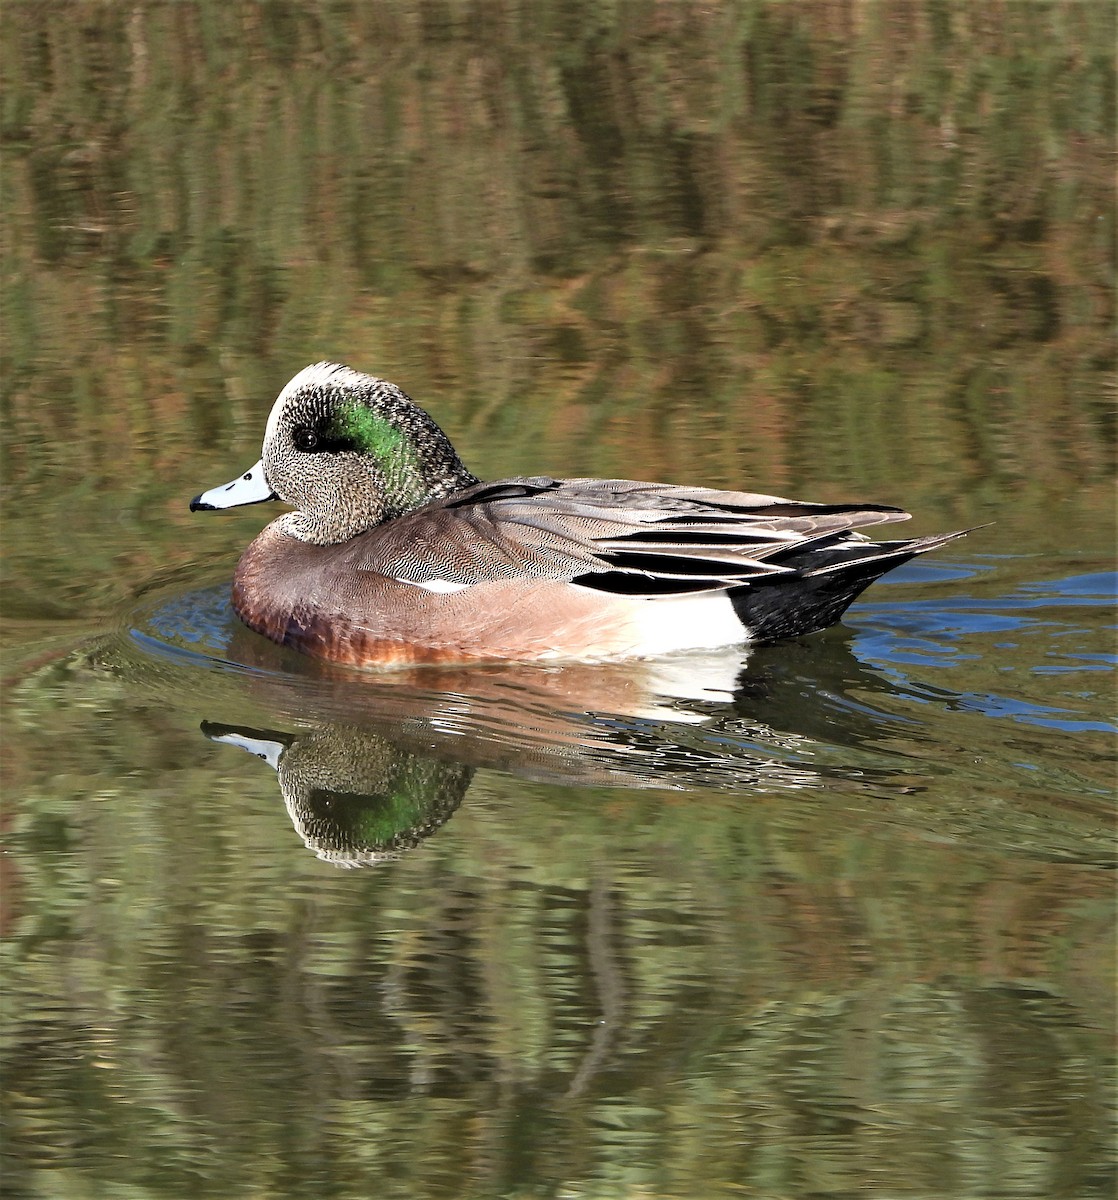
(776, 607)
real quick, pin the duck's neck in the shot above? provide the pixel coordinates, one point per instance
(374, 501)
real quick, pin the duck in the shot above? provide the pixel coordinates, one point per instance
(394, 553)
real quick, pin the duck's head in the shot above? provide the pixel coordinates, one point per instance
(347, 451)
(356, 798)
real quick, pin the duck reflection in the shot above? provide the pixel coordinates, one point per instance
(354, 798)
(387, 759)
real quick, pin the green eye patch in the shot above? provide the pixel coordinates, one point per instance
(360, 426)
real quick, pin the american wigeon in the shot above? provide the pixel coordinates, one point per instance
(396, 553)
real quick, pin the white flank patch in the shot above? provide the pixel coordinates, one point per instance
(671, 623)
(441, 587)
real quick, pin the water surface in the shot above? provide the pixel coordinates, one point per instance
(825, 918)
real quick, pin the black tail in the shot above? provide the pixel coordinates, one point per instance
(828, 581)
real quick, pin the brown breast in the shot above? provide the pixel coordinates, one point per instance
(313, 599)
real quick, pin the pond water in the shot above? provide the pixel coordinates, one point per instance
(826, 918)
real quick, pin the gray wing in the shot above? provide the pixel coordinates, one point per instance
(615, 534)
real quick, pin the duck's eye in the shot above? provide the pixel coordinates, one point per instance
(304, 438)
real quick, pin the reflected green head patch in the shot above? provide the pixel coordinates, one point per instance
(375, 821)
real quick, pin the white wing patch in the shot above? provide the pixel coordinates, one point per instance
(441, 587)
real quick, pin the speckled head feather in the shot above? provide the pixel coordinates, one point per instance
(350, 451)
